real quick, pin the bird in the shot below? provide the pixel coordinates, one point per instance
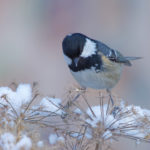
(92, 63)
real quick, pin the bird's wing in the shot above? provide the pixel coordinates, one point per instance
(118, 57)
(114, 55)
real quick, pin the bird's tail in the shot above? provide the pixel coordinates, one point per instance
(133, 58)
(128, 59)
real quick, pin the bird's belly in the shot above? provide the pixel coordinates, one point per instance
(101, 80)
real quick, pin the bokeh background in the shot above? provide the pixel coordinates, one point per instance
(31, 33)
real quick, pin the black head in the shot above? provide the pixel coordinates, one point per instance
(73, 45)
(80, 52)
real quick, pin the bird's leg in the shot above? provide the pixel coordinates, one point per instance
(110, 96)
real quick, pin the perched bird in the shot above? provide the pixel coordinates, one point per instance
(92, 63)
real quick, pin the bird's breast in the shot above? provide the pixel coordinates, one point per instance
(105, 79)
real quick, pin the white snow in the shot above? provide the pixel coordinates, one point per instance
(61, 139)
(128, 116)
(24, 143)
(51, 104)
(40, 144)
(107, 134)
(53, 139)
(88, 133)
(21, 96)
(99, 116)
(24, 93)
(95, 120)
(8, 142)
(122, 120)
(78, 111)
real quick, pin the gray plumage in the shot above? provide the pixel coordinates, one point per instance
(114, 55)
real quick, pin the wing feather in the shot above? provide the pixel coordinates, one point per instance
(114, 55)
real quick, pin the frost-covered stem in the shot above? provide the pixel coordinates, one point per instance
(98, 146)
(30, 103)
(19, 128)
(89, 106)
(69, 103)
(11, 106)
(101, 145)
(76, 97)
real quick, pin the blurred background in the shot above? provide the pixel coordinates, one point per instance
(31, 34)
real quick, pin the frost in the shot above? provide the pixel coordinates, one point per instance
(21, 96)
(88, 133)
(100, 115)
(103, 122)
(61, 139)
(96, 118)
(24, 143)
(24, 94)
(76, 135)
(51, 105)
(107, 134)
(53, 139)
(8, 142)
(125, 120)
(40, 144)
(78, 111)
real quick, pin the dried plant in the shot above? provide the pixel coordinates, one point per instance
(73, 123)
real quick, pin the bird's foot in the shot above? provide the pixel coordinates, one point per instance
(80, 90)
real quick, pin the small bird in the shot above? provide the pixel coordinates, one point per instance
(92, 63)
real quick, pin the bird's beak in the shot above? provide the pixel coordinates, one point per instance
(76, 61)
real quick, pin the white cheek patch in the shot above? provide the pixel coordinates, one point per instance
(89, 48)
(68, 60)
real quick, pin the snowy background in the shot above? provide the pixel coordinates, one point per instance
(32, 32)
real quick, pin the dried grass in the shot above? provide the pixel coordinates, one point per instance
(72, 125)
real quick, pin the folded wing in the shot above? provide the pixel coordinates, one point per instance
(115, 55)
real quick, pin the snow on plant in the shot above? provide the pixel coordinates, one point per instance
(16, 99)
(100, 124)
(126, 121)
(74, 122)
(53, 138)
(9, 142)
(51, 105)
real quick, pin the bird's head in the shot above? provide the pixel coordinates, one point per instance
(73, 45)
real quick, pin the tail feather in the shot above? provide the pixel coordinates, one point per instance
(128, 59)
(133, 58)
